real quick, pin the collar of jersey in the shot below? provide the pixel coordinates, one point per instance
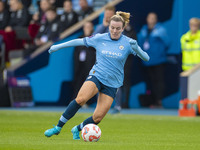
(114, 39)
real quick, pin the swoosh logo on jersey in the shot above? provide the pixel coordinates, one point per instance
(104, 44)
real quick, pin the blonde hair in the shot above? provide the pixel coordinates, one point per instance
(121, 16)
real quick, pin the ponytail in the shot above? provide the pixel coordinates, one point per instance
(121, 16)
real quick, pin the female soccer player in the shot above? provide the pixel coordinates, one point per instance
(112, 50)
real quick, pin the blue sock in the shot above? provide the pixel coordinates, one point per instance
(71, 110)
(86, 121)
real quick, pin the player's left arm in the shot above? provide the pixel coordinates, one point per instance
(143, 55)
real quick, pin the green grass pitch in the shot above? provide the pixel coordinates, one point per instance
(24, 130)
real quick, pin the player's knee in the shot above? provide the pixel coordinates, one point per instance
(81, 100)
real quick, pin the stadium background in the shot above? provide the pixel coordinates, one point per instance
(51, 75)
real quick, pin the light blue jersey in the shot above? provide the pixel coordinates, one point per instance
(111, 56)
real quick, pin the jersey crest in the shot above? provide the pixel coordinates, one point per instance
(121, 47)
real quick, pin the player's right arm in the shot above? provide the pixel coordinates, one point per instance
(75, 42)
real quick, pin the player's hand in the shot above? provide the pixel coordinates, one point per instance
(52, 49)
(133, 44)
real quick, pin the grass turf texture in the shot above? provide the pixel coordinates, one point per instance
(21, 130)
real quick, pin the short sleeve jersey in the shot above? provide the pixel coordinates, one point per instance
(111, 56)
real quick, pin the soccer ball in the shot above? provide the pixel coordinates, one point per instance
(91, 133)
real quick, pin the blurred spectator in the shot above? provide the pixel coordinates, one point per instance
(85, 10)
(49, 30)
(190, 45)
(76, 5)
(4, 16)
(19, 18)
(39, 18)
(26, 3)
(108, 13)
(84, 59)
(69, 17)
(154, 40)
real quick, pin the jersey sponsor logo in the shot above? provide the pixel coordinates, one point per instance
(111, 54)
(121, 47)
